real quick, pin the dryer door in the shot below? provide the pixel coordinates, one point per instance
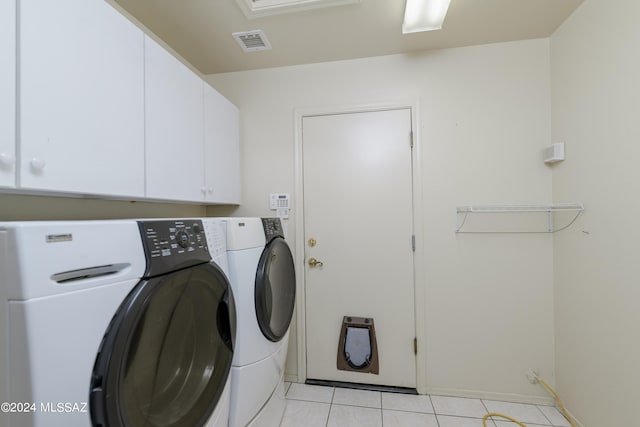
(275, 291)
(166, 356)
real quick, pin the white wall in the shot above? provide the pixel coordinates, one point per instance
(483, 121)
(595, 69)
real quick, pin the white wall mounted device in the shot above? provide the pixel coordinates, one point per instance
(281, 203)
(554, 153)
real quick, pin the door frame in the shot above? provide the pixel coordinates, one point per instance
(419, 273)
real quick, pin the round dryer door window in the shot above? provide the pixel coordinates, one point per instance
(166, 357)
(275, 290)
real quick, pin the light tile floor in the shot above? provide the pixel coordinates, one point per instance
(311, 406)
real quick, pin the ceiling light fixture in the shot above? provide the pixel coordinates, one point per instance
(424, 15)
(259, 8)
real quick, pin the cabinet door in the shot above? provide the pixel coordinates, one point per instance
(82, 99)
(174, 127)
(7, 92)
(221, 148)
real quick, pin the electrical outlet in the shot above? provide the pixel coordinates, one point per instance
(533, 375)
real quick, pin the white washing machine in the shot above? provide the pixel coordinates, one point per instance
(262, 277)
(113, 323)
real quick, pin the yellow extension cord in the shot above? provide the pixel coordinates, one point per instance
(555, 397)
(493, 414)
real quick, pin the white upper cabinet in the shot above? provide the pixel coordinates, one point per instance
(81, 98)
(221, 148)
(174, 127)
(7, 93)
(104, 110)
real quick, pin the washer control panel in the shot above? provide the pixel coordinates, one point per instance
(173, 244)
(272, 228)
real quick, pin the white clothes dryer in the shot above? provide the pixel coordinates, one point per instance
(262, 276)
(215, 230)
(113, 323)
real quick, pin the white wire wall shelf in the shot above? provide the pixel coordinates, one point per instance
(532, 219)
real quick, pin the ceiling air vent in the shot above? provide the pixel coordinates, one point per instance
(252, 41)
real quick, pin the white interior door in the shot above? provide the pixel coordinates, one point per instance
(357, 171)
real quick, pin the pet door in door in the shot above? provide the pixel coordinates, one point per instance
(357, 348)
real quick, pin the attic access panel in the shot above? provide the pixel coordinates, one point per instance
(258, 8)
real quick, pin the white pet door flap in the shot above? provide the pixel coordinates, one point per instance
(357, 348)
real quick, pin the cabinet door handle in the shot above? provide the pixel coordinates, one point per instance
(7, 160)
(37, 164)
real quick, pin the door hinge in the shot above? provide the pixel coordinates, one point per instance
(411, 139)
(415, 346)
(413, 243)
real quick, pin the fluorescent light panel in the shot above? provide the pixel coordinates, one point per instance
(424, 15)
(258, 8)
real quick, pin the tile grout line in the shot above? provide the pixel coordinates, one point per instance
(333, 393)
(360, 406)
(326, 423)
(545, 415)
(434, 410)
(488, 412)
(306, 400)
(381, 411)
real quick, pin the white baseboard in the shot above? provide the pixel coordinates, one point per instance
(505, 397)
(290, 378)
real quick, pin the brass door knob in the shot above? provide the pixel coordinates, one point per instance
(314, 262)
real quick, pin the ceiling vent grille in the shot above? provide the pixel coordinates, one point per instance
(252, 41)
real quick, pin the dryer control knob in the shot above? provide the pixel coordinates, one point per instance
(182, 237)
